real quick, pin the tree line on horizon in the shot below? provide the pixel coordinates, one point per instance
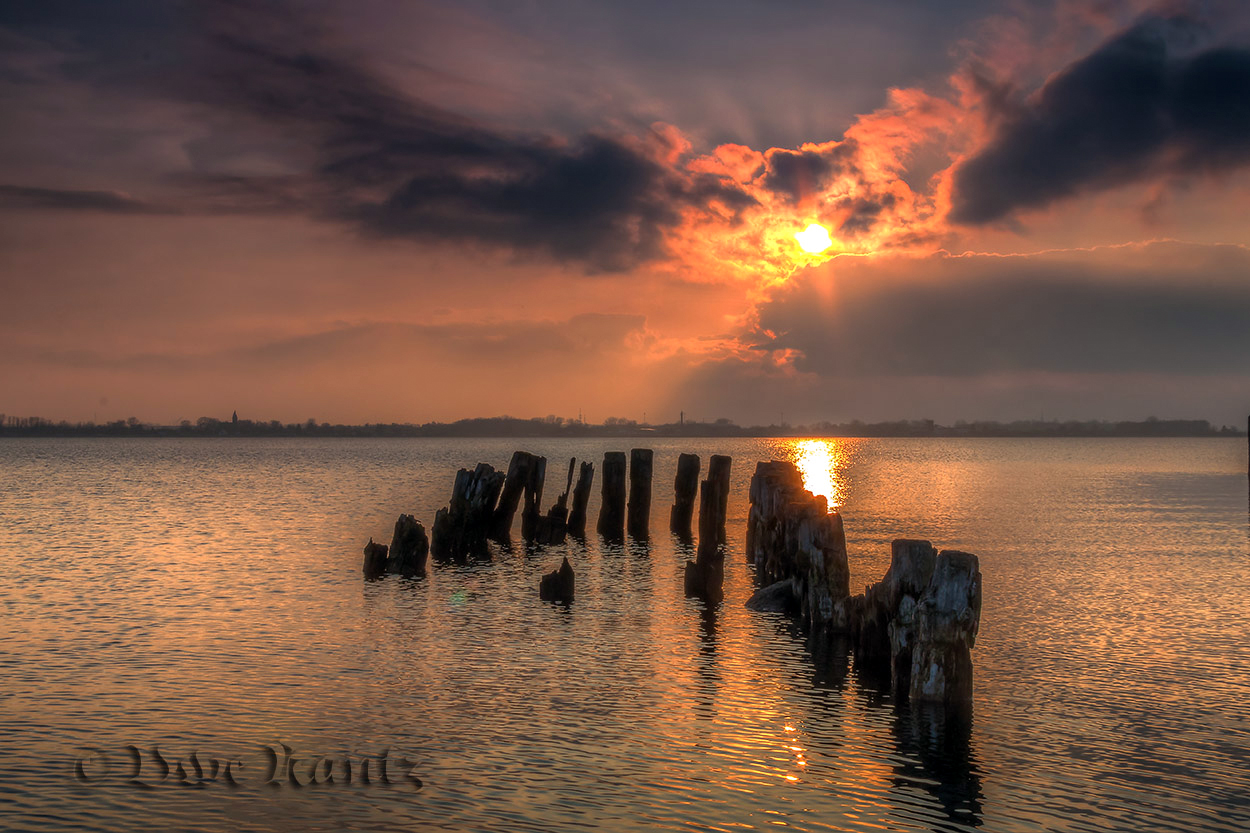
(554, 426)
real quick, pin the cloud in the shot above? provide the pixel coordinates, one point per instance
(801, 174)
(292, 120)
(109, 202)
(1114, 332)
(1147, 103)
(367, 371)
(348, 145)
(506, 346)
(397, 167)
(1162, 308)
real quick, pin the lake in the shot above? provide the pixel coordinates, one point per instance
(206, 596)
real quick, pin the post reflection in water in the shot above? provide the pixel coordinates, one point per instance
(933, 772)
(710, 683)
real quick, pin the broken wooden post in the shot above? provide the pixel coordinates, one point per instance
(947, 619)
(375, 559)
(685, 489)
(513, 485)
(581, 497)
(718, 471)
(612, 510)
(557, 586)
(887, 630)
(553, 527)
(409, 548)
(792, 537)
(921, 621)
(461, 528)
(530, 513)
(640, 466)
(705, 576)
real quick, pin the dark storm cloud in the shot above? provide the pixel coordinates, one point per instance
(863, 212)
(1144, 104)
(393, 166)
(1166, 308)
(796, 174)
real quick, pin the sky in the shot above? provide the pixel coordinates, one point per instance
(385, 211)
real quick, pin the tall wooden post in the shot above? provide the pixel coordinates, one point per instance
(581, 497)
(640, 467)
(718, 472)
(612, 510)
(705, 576)
(513, 485)
(532, 509)
(685, 489)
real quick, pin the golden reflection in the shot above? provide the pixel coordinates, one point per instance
(823, 466)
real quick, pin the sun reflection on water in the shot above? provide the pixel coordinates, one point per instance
(823, 466)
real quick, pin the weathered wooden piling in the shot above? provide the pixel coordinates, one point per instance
(718, 472)
(948, 616)
(581, 497)
(920, 621)
(612, 510)
(460, 529)
(793, 537)
(552, 528)
(705, 576)
(640, 467)
(375, 559)
(685, 489)
(557, 586)
(510, 497)
(531, 510)
(409, 548)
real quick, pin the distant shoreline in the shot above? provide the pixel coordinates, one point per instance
(507, 427)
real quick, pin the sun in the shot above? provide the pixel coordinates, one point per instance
(814, 239)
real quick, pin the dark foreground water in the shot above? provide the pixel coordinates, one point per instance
(206, 596)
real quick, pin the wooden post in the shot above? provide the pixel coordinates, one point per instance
(557, 586)
(409, 548)
(685, 489)
(375, 559)
(640, 466)
(946, 619)
(612, 510)
(460, 529)
(793, 540)
(705, 576)
(568, 482)
(553, 527)
(532, 511)
(513, 486)
(581, 497)
(718, 471)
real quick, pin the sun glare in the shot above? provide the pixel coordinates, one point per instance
(823, 466)
(814, 239)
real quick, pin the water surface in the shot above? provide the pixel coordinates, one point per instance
(206, 595)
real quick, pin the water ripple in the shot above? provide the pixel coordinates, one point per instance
(206, 596)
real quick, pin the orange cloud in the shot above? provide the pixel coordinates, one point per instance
(856, 187)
